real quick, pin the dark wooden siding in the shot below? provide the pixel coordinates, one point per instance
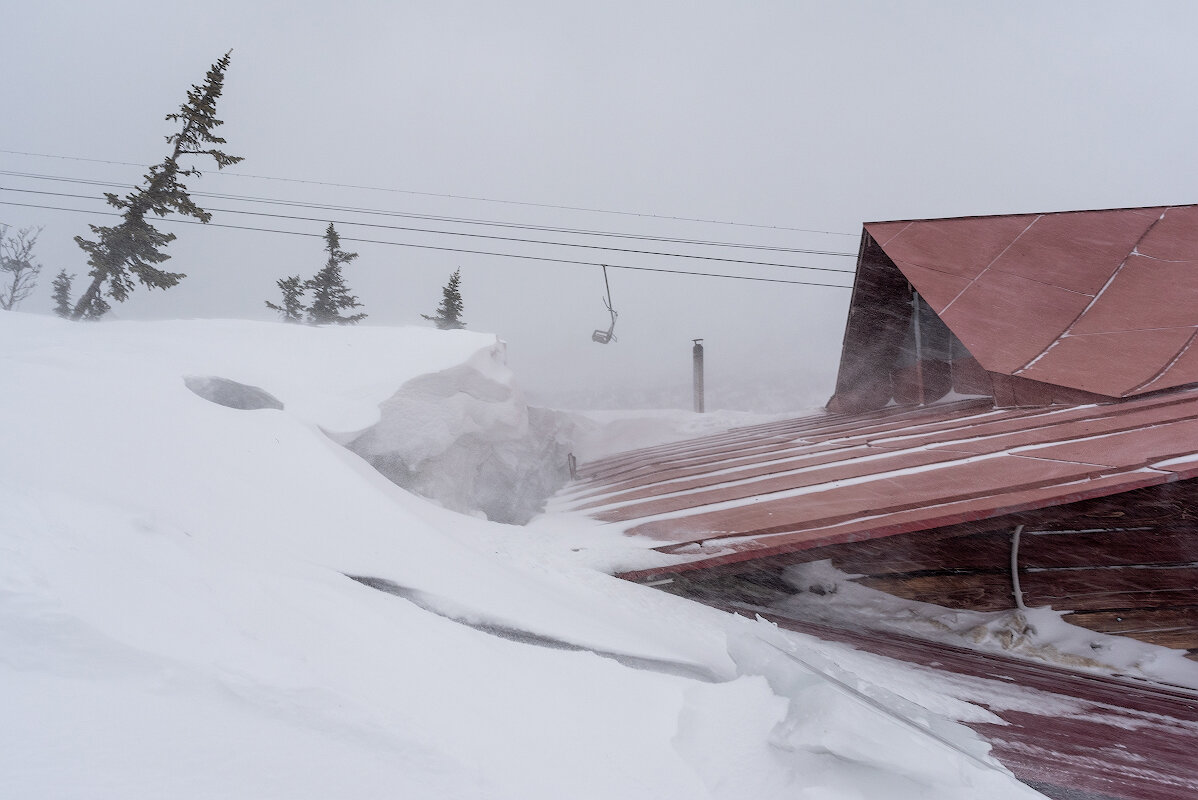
(880, 361)
(877, 324)
(1126, 563)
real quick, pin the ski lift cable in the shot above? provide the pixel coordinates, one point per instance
(442, 218)
(520, 256)
(452, 196)
(514, 239)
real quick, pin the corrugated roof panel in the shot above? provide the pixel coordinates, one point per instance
(1129, 449)
(1109, 363)
(1078, 252)
(746, 549)
(937, 288)
(1013, 288)
(1173, 238)
(743, 484)
(854, 478)
(1078, 423)
(880, 495)
(1006, 321)
(962, 247)
(883, 232)
(1145, 294)
(1182, 371)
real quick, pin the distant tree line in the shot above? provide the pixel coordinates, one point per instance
(330, 295)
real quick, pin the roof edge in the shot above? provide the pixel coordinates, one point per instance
(1165, 206)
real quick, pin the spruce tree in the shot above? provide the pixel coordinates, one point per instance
(329, 293)
(449, 313)
(62, 293)
(293, 309)
(132, 248)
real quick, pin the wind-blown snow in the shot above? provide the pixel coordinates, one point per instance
(178, 617)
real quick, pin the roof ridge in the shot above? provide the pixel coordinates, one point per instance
(1162, 206)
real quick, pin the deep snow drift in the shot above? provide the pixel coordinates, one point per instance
(465, 438)
(202, 601)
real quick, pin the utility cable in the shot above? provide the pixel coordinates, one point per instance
(442, 249)
(439, 218)
(513, 239)
(452, 196)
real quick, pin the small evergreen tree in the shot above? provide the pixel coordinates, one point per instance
(132, 248)
(293, 309)
(329, 293)
(449, 313)
(62, 294)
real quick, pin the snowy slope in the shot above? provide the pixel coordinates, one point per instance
(177, 617)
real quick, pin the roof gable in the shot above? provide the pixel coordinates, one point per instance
(1101, 301)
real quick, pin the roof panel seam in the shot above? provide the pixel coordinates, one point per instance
(986, 269)
(1044, 283)
(1184, 348)
(1035, 457)
(1103, 435)
(895, 236)
(1134, 330)
(716, 549)
(787, 494)
(1138, 254)
(1133, 209)
(734, 482)
(1093, 300)
(1013, 274)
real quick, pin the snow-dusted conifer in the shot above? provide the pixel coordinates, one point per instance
(132, 248)
(62, 293)
(449, 313)
(293, 299)
(329, 293)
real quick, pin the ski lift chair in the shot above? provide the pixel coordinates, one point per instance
(605, 336)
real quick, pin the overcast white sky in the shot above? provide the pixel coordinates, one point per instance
(786, 114)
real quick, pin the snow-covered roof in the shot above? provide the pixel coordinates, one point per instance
(786, 487)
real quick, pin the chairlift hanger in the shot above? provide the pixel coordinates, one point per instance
(605, 336)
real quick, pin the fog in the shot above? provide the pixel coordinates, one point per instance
(795, 121)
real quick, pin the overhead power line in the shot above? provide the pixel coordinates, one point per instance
(453, 196)
(512, 239)
(523, 257)
(440, 218)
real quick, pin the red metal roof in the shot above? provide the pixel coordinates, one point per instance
(1069, 734)
(1101, 301)
(790, 486)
